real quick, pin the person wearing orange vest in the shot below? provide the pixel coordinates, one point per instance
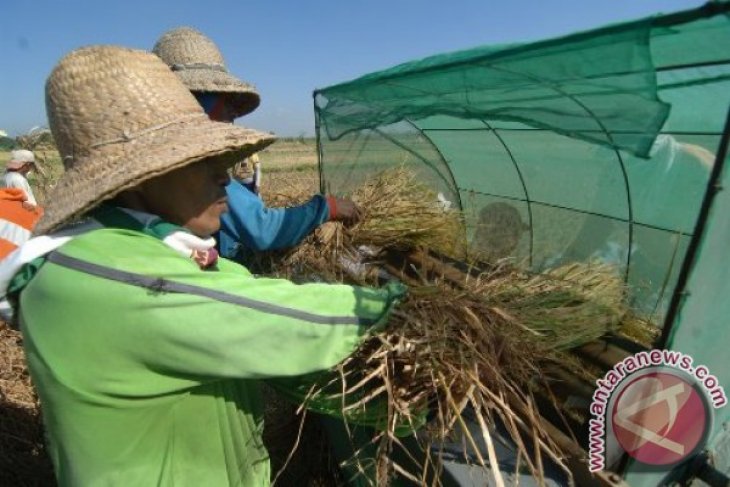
(16, 221)
(16, 224)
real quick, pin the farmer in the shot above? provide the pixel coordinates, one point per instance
(16, 225)
(20, 164)
(249, 224)
(16, 220)
(146, 349)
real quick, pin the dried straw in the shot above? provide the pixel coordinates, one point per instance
(23, 458)
(566, 306)
(449, 353)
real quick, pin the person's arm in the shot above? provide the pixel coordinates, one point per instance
(149, 308)
(251, 224)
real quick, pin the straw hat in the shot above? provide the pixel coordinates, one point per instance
(120, 117)
(196, 60)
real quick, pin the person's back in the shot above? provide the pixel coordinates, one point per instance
(122, 404)
(143, 372)
(12, 179)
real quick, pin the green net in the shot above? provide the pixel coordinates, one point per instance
(601, 142)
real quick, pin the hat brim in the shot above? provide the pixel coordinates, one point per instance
(148, 156)
(243, 96)
(15, 165)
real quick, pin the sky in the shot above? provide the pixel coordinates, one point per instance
(286, 48)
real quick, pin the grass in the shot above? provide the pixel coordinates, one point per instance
(291, 155)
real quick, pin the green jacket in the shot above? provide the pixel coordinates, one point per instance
(147, 367)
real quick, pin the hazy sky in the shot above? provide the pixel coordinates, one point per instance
(286, 48)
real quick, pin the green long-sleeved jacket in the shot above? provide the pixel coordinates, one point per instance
(147, 366)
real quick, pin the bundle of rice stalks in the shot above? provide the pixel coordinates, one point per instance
(445, 352)
(402, 213)
(564, 307)
(285, 189)
(398, 213)
(641, 330)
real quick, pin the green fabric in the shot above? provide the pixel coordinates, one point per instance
(598, 87)
(602, 140)
(144, 387)
(108, 216)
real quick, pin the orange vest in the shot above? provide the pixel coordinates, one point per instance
(16, 223)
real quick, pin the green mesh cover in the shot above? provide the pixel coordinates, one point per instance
(601, 141)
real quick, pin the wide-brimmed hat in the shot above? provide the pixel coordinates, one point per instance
(19, 158)
(120, 117)
(196, 60)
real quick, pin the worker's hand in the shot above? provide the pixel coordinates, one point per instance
(344, 210)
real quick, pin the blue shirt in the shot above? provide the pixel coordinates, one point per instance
(249, 224)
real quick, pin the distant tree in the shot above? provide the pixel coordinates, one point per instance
(7, 143)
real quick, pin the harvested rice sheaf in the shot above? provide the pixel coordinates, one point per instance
(475, 350)
(566, 306)
(399, 213)
(402, 213)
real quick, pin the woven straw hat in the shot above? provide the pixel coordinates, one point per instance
(120, 117)
(196, 60)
